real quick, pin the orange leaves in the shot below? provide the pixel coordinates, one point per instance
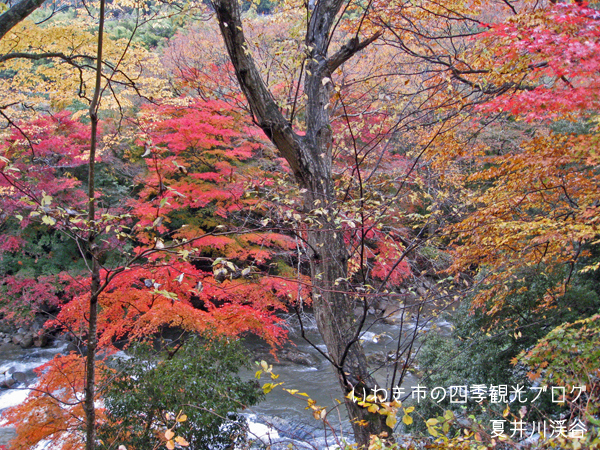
(538, 209)
(529, 189)
(56, 416)
(141, 301)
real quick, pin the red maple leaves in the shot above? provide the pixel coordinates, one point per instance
(553, 59)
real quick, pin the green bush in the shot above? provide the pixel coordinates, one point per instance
(197, 379)
(483, 348)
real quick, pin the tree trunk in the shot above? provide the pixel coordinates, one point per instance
(92, 339)
(17, 13)
(334, 313)
(310, 157)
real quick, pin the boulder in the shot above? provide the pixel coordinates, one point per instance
(381, 304)
(6, 327)
(377, 358)
(393, 313)
(299, 357)
(40, 340)
(286, 355)
(27, 341)
(19, 377)
(17, 338)
(7, 383)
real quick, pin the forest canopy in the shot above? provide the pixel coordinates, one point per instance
(178, 177)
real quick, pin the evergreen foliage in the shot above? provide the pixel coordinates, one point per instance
(199, 379)
(483, 349)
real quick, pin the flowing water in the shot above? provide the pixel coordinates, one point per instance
(288, 414)
(281, 416)
(19, 364)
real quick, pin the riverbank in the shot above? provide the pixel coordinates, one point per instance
(299, 364)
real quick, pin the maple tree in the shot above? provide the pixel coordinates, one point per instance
(207, 173)
(539, 209)
(139, 298)
(401, 124)
(155, 286)
(32, 174)
(54, 410)
(113, 299)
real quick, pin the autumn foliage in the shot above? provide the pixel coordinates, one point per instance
(539, 205)
(467, 125)
(182, 272)
(53, 411)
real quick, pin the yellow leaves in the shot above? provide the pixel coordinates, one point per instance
(268, 387)
(266, 368)
(172, 439)
(391, 420)
(319, 413)
(431, 422)
(372, 408)
(48, 220)
(531, 212)
(54, 82)
(388, 409)
(181, 441)
(408, 420)
(440, 426)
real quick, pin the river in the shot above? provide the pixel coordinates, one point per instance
(280, 417)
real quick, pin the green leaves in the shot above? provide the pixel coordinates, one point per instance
(199, 379)
(569, 355)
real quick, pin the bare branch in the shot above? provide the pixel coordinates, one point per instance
(352, 47)
(38, 56)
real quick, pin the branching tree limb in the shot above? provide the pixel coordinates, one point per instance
(17, 13)
(310, 157)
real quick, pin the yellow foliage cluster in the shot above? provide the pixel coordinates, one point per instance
(52, 67)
